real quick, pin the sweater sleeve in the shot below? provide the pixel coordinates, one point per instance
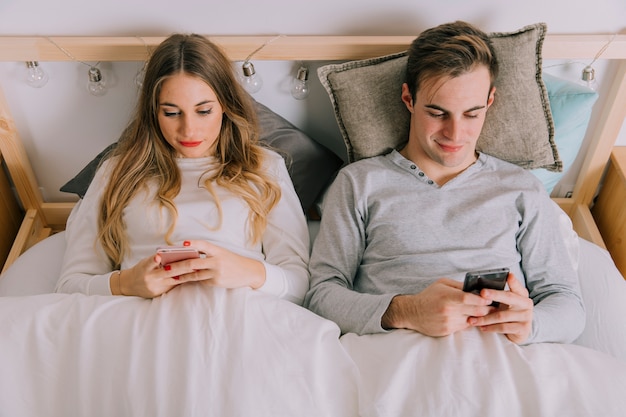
(86, 268)
(551, 278)
(335, 259)
(285, 241)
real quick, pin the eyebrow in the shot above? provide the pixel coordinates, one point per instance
(436, 107)
(202, 103)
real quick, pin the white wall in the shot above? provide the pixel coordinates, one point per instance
(63, 127)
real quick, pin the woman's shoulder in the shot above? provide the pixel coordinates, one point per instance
(272, 160)
(271, 155)
(103, 172)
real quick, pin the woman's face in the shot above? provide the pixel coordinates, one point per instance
(190, 116)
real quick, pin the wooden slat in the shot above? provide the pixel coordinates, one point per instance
(10, 215)
(41, 48)
(16, 160)
(602, 139)
(609, 211)
(31, 231)
(56, 214)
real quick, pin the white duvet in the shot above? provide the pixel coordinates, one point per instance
(476, 374)
(196, 351)
(202, 351)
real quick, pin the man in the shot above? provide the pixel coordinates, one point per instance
(400, 231)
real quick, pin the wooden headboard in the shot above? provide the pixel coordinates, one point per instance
(42, 218)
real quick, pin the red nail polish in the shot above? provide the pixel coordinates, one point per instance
(186, 243)
(176, 278)
(167, 267)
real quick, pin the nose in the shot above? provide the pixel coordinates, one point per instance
(453, 129)
(187, 126)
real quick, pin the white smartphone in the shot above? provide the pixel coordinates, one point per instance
(171, 254)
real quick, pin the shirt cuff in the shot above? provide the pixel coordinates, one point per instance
(274, 280)
(99, 285)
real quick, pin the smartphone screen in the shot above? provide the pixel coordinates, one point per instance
(493, 278)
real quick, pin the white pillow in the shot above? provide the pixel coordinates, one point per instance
(604, 293)
(37, 270)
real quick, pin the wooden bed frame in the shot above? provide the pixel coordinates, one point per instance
(41, 218)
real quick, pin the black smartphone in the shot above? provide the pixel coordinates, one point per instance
(494, 279)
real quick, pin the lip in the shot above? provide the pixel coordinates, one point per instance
(190, 144)
(448, 148)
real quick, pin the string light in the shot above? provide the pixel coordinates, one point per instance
(142, 72)
(96, 84)
(249, 77)
(250, 80)
(588, 77)
(300, 87)
(36, 76)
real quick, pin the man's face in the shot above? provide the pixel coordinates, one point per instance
(447, 117)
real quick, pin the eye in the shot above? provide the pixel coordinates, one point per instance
(437, 115)
(170, 113)
(472, 115)
(205, 112)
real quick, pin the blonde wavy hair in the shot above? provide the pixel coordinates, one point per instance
(143, 155)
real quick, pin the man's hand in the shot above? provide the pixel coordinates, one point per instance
(441, 309)
(513, 318)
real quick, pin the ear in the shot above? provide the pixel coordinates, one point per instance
(491, 97)
(407, 99)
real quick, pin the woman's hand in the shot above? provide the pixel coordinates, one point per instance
(146, 279)
(514, 317)
(219, 267)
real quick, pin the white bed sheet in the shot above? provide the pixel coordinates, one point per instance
(201, 351)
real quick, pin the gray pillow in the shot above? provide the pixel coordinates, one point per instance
(366, 97)
(310, 164)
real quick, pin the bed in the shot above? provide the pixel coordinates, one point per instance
(240, 353)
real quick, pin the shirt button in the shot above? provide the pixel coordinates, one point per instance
(413, 167)
(430, 182)
(421, 174)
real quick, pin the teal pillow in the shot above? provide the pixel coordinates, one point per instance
(571, 105)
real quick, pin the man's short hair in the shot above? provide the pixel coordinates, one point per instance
(450, 49)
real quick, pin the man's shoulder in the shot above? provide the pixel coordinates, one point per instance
(502, 165)
(514, 174)
(366, 164)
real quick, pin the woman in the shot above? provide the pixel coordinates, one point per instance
(189, 171)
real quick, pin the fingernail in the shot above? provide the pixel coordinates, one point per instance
(176, 278)
(186, 243)
(167, 267)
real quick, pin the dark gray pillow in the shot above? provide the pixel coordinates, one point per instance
(310, 164)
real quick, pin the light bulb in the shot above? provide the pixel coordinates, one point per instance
(96, 85)
(588, 78)
(36, 77)
(141, 74)
(300, 87)
(251, 81)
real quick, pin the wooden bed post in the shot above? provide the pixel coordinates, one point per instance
(34, 226)
(608, 126)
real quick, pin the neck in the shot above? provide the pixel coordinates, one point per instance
(436, 171)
